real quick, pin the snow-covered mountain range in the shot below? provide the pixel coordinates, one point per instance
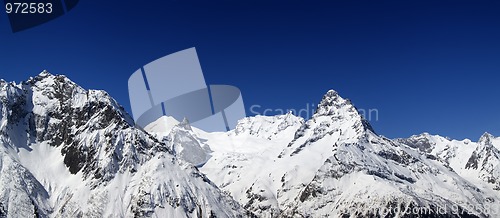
(70, 152)
(335, 165)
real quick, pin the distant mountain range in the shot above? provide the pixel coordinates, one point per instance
(70, 152)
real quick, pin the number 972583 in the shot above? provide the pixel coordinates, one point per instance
(28, 8)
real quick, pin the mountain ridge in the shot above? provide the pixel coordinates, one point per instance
(303, 170)
(66, 151)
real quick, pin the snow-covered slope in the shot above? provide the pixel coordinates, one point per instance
(478, 162)
(162, 127)
(70, 152)
(180, 138)
(335, 165)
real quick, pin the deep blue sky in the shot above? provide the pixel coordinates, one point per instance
(429, 66)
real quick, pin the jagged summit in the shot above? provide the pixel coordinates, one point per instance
(339, 110)
(185, 124)
(486, 138)
(331, 93)
(330, 102)
(45, 73)
(162, 126)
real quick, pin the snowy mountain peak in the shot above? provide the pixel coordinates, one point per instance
(330, 102)
(336, 122)
(424, 134)
(486, 138)
(162, 125)
(45, 73)
(332, 105)
(185, 124)
(331, 93)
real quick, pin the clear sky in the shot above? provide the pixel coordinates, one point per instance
(426, 66)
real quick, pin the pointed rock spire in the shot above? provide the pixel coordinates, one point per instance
(185, 124)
